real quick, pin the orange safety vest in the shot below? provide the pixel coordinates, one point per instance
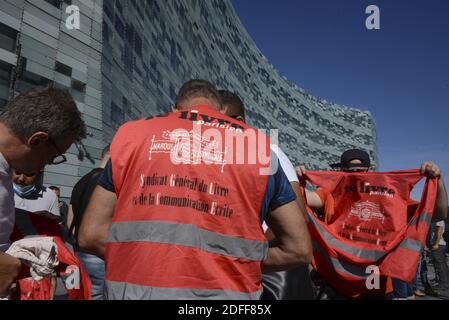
(187, 220)
(367, 226)
(70, 269)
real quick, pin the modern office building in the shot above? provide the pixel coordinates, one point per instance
(131, 56)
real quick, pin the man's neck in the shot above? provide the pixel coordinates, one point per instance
(11, 146)
(190, 104)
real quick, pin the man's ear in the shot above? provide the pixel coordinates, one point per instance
(37, 139)
(224, 110)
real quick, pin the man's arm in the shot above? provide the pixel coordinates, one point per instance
(439, 236)
(432, 171)
(96, 221)
(313, 200)
(9, 270)
(70, 217)
(300, 199)
(441, 204)
(301, 203)
(293, 245)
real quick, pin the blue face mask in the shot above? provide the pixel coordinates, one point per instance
(24, 191)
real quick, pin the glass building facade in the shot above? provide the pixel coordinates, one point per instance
(131, 56)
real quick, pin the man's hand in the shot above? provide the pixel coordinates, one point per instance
(313, 201)
(430, 170)
(9, 270)
(300, 171)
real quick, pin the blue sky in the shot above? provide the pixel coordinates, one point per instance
(399, 73)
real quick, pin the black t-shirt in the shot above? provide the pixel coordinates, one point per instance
(63, 210)
(81, 195)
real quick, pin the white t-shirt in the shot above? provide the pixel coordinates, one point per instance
(44, 200)
(286, 166)
(442, 224)
(6, 204)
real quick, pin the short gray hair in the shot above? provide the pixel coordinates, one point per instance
(45, 109)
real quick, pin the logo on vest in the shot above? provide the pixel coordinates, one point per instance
(366, 187)
(366, 211)
(188, 147)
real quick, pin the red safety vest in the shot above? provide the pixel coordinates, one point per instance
(70, 269)
(368, 226)
(187, 220)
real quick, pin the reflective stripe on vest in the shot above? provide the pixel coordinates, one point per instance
(372, 255)
(126, 291)
(424, 217)
(343, 268)
(356, 271)
(187, 235)
(411, 244)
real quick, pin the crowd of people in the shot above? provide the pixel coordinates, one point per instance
(192, 204)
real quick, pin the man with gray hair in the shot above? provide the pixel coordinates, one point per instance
(36, 128)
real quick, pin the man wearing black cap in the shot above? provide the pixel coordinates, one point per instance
(353, 160)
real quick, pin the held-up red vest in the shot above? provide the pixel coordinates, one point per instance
(187, 220)
(368, 226)
(70, 269)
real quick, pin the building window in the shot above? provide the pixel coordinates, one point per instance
(8, 37)
(64, 69)
(35, 79)
(119, 26)
(5, 74)
(126, 106)
(3, 102)
(129, 33)
(117, 115)
(108, 10)
(30, 80)
(171, 92)
(138, 44)
(55, 3)
(78, 86)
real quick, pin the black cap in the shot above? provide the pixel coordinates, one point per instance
(349, 155)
